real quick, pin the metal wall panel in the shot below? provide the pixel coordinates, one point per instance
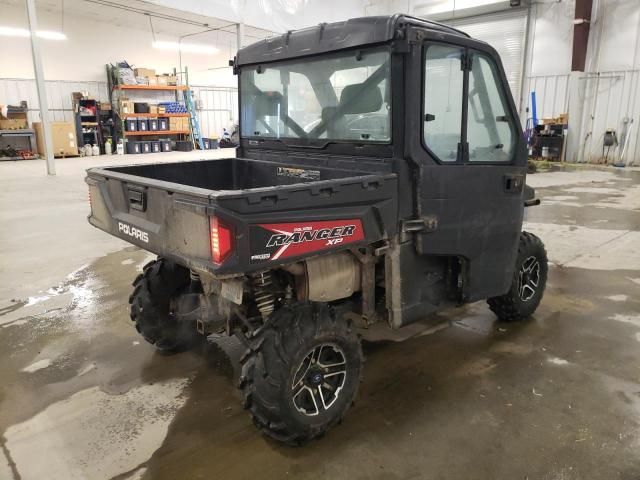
(611, 101)
(14, 90)
(552, 95)
(219, 104)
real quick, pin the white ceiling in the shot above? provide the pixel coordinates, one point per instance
(168, 23)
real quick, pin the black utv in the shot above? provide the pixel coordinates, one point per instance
(380, 175)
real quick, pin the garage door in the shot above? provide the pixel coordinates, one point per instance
(506, 32)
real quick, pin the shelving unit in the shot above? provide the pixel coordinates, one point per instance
(157, 132)
(153, 115)
(15, 137)
(116, 91)
(88, 128)
(28, 133)
(151, 87)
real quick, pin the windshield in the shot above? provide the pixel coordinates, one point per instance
(343, 96)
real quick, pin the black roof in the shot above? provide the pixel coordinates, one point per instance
(327, 37)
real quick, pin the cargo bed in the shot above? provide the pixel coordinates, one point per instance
(274, 212)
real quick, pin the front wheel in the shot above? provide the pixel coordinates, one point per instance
(528, 284)
(301, 372)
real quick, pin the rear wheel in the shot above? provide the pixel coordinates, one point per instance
(151, 311)
(528, 284)
(301, 372)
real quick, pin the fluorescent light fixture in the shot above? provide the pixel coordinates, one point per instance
(21, 32)
(186, 47)
(14, 32)
(48, 35)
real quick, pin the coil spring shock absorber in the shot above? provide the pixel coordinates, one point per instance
(262, 293)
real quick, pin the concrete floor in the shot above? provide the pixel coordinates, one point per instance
(556, 397)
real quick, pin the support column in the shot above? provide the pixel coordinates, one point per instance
(582, 20)
(42, 92)
(577, 87)
(239, 35)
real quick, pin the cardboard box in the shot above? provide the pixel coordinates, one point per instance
(144, 72)
(178, 123)
(63, 135)
(563, 118)
(105, 106)
(153, 80)
(153, 109)
(167, 79)
(126, 106)
(175, 123)
(13, 124)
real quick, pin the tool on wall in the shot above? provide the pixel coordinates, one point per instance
(610, 140)
(627, 126)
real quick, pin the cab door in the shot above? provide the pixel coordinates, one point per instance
(472, 162)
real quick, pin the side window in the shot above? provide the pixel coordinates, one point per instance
(491, 132)
(443, 95)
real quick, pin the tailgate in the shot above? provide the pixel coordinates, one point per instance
(264, 226)
(165, 218)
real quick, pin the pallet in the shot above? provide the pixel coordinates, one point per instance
(9, 159)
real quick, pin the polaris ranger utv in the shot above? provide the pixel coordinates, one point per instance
(380, 176)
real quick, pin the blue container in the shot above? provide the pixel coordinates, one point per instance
(133, 147)
(143, 125)
(165, 145)
(131, 125)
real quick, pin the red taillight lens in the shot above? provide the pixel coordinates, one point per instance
(221, 240)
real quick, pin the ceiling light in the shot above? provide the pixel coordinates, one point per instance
(21, 32)
(14, 32)
(48, 35)
(186, 47)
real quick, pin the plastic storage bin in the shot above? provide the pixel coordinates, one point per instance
(143, 125)
(141, 107)
(165, 145)
(133, 147)
(131, 125)
(163, 123)
(153, 124)
(184, 146)
(145, 147)
(155, 146)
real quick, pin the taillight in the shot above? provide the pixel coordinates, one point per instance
(221, 240)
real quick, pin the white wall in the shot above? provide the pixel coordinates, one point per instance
(614, 36)
(615, 26)
(552, 38)
(273, 15)
(91, 45)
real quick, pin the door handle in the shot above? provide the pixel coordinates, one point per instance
(137, 199)
(513, 183)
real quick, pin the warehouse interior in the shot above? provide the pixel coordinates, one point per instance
(88, 84)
